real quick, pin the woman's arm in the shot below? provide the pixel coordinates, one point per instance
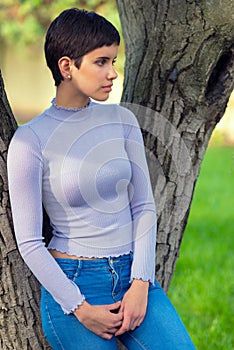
(25, 169)
(142, 204)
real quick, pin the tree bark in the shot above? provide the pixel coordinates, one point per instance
(19, 291)
(180, 67)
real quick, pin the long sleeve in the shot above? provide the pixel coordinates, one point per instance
(25, 169)
(142, 206)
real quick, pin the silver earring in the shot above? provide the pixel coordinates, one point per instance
(68, 76)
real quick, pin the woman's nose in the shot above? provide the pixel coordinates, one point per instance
(112, 74)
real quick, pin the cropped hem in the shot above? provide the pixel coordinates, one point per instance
(58, 244)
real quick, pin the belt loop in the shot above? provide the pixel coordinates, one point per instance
(78, 267)
(80, 264)
(110, 261)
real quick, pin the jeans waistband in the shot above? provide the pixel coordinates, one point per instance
(92, 263)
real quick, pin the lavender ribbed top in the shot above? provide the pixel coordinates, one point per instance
(88, 168)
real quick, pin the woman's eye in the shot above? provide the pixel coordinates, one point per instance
(100, 62)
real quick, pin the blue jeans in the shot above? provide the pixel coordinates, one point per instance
(105, 281)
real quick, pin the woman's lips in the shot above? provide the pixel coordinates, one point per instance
(107, 88)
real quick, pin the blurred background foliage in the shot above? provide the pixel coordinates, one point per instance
(24, 22)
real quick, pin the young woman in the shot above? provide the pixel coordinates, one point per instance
(86, 163)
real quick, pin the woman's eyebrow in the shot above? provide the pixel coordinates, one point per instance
(106, 58)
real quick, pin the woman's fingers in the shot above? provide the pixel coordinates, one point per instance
(114, 308)
(125, 326)
(136, 324)
(100, 319)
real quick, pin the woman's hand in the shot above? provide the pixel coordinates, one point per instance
(133, 306)
(103, 320)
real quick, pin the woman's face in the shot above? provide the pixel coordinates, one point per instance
(95, 76)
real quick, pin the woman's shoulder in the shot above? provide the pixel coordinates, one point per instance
(32, 129)
(35, 122)
(117, 112)
(127, 117)
(26, 134)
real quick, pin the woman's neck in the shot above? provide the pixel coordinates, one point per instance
(65, 97)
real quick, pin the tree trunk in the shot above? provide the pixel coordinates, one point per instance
(19, 290)
(180, 66)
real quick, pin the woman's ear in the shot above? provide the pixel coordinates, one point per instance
(65, 64)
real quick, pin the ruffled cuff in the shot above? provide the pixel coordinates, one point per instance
(78, 303)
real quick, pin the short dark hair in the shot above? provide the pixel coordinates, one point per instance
(74, 33)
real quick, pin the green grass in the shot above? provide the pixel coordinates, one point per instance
(202, 288)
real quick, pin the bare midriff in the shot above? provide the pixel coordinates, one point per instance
(57, 254)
